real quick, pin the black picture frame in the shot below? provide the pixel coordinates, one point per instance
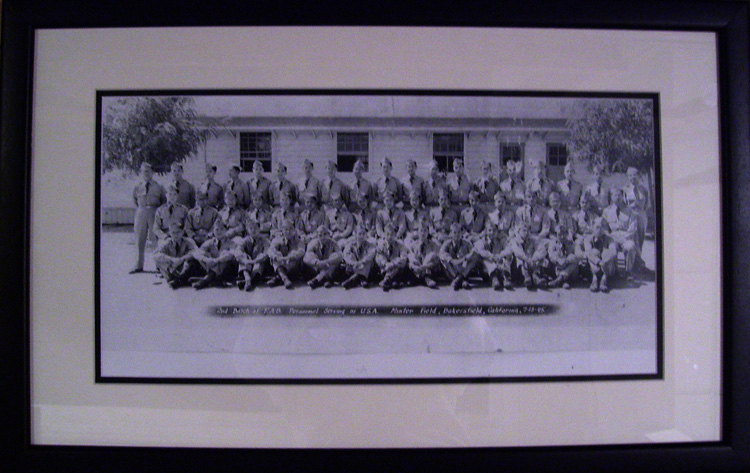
(730, 20)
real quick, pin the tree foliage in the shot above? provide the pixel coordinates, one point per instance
(154, 130)
(616, 133)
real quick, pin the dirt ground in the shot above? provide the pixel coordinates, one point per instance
(150, 330)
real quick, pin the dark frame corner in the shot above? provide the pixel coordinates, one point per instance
(730, 19)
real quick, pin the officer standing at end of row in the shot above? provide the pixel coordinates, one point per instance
(148, 195)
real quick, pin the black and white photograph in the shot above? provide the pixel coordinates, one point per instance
(378, 236)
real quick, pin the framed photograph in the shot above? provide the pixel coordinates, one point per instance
(429, 276)
(509, 235)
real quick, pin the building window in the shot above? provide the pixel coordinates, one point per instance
(557, 154)
(351, 147)
(445, 148)
(255, 146)
(511, 152)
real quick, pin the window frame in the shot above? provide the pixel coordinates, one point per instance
(243, 159)
(342, 167)
(444, 159)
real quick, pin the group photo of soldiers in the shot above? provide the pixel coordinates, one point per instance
(432, 229)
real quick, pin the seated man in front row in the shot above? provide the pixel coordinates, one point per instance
(496, 257)
(286, 252)
(323, 258)
(529, 256)
(422, 256)
(174, 257)
(390, 257)
(563, 261)
(458, 258)
(359, 258)
(252, 258)
(600, 251)
(216, 257)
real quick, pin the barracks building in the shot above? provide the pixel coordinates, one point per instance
(289, 129)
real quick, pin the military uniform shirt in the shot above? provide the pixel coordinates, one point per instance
(392, 185)
(168, 214)
(148, 194)
(200, 220)
(214, 193)
(260, 186)
(240, 189)
(185, 192)
(363, 186)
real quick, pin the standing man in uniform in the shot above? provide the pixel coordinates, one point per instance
(333, 186)
(570, 190)
(415, 215)
(597, 191)
(636, 196)
(512, 186)
(389, 183)
(214, 192)
(148, 195)
(283, 186)
(486, 184)
(434, 185)
(360, 185)
(185, 190)
(258, 183)
(238, 187)
(540, 183)
(460, 185)
(413, 182)
(309, 184)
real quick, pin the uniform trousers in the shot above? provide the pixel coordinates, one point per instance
(143, 226)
